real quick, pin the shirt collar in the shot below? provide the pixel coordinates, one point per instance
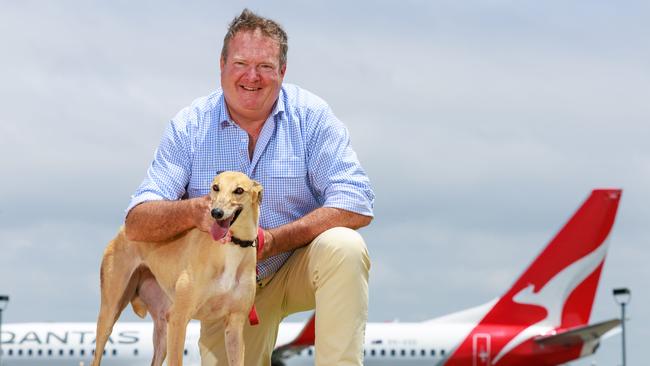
(224, 116)
(279, 104)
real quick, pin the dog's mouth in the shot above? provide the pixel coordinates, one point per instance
(220, 228)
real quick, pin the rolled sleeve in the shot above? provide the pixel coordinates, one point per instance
(335, 171)
(170, 170)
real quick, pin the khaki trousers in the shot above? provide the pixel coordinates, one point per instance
(329, 275)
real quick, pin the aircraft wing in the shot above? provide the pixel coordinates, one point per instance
(578, 335)
(305, 339)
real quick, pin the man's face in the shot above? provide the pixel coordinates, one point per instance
(251, 76)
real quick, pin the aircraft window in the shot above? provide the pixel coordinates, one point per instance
(310, 352)
(82, 352)
(60, 352)
(135, 351)
(433, 352)
(423, 352)
(383, 352)
(20, 352)
(11, 352)
(104, 353)
(372, 352)
(392, 352)
(413, 352)
(442, 352)
(364, 352)
(40, 352)
(92, 352)
(403, 353)
(185, 352)
(71, 352)
(49, 352)
(30, 352)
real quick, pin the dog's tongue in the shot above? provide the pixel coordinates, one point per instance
(220, 228)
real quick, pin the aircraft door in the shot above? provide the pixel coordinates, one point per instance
(481, 350)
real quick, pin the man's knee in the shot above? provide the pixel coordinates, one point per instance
(341, 246)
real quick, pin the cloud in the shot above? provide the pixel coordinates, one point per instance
(482, 127)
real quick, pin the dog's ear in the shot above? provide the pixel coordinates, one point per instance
(257, 192)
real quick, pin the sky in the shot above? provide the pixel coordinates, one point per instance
(482, 125)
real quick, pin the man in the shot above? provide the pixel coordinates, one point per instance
(315, 194)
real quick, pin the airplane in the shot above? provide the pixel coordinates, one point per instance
(542, 319)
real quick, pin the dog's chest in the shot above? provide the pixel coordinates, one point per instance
(232, 287)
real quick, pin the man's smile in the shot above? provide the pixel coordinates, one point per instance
(248, 88)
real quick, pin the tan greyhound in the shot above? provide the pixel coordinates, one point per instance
(196, 275)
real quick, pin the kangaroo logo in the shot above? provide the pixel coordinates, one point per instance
(559, 287)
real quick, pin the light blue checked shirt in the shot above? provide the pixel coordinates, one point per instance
(303, 159)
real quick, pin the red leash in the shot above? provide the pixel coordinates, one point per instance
(253, 319)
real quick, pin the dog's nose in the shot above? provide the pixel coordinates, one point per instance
(217, 213)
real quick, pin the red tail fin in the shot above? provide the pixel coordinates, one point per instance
(557, 290)
(306, 338)
(567, 272)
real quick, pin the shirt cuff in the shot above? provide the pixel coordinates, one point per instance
(141, 198)
(350, 201)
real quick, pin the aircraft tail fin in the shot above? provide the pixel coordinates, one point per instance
(555, 294)
(561, 282)
(304, 339)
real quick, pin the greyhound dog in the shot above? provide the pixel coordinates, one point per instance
(196, 275)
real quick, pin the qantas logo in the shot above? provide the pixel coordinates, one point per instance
(63, 338)
(555, 293)
(559, 287)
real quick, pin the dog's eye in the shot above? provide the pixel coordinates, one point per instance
(215, 188)
(239, 190)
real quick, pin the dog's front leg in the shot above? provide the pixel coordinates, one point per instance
(234, 337)
(179, 315)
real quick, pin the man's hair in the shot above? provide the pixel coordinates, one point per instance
(249, 21)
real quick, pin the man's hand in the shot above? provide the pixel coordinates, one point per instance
(267, 250)
(201, 215)
(302, 231)
(162, 220)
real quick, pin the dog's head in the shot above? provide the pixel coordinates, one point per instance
(231, 194)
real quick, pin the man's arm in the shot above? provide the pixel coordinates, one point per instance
(336, 175)
(162, 220)
(302, 231)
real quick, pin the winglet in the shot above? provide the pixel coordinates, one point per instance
(578, 335)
